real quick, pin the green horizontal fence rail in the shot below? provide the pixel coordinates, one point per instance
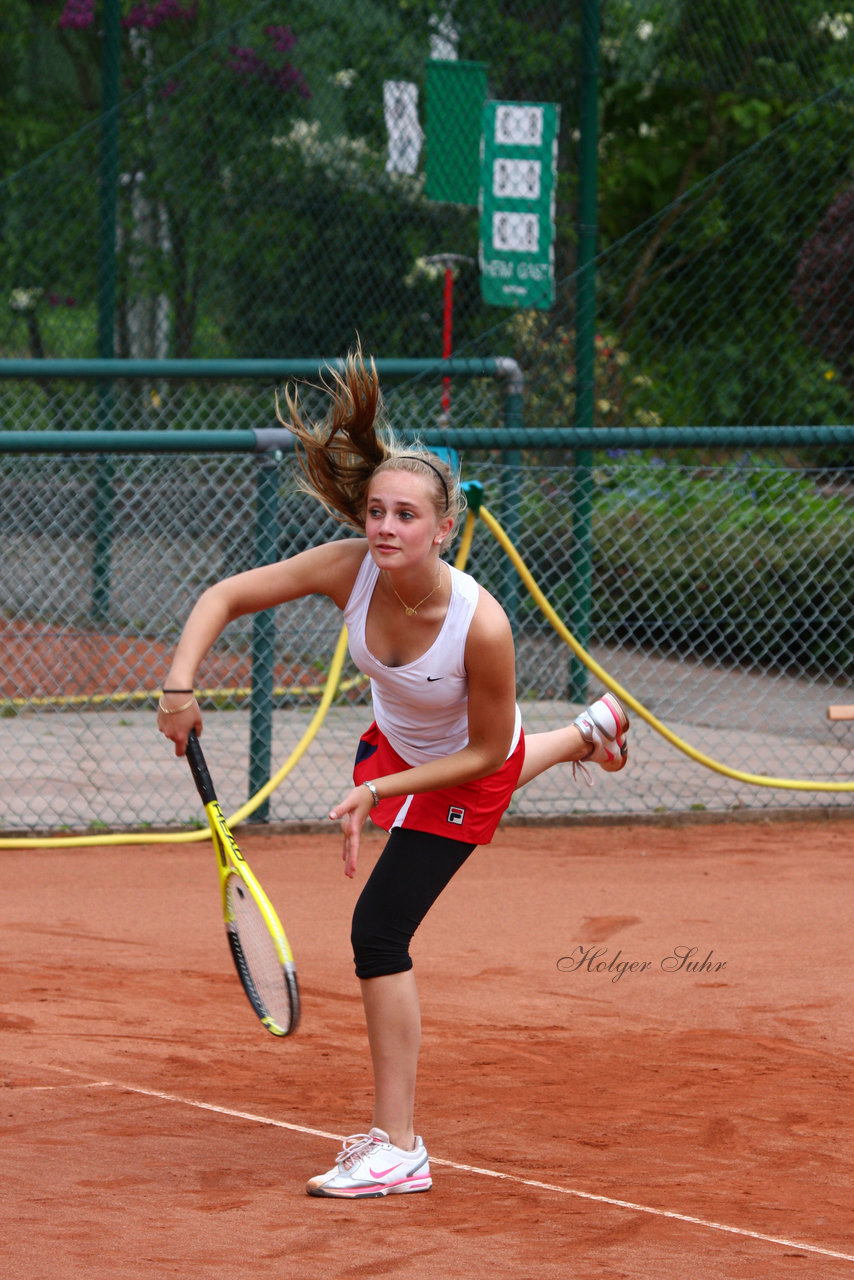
(460, 367)
(237, 441)
(475, 438)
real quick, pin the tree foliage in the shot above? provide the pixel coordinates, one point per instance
(256, 215)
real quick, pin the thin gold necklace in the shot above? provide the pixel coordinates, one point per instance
(411, 609)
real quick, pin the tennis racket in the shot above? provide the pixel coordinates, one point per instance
(262, 957)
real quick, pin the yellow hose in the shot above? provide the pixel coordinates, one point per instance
(465, 541)
(756, 779)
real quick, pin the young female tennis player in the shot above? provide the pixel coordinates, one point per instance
(446, 750)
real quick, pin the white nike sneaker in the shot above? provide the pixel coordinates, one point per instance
(370, 1166)
(605, 725)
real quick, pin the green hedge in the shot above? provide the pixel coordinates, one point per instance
(745, 562)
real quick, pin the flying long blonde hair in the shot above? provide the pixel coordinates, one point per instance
(340, 455)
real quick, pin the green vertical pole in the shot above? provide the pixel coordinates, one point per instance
(263, 633)
(105, 392)
(511, 497)
(585, 338)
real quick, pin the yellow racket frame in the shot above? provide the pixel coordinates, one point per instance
(231, 862)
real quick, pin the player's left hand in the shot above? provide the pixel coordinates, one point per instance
(352, 813)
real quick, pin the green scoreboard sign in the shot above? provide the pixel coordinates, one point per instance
(518, 176)
(455, 94)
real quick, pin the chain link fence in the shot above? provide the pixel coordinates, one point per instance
(722, 601)
(266, 184)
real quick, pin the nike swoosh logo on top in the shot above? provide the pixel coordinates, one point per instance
(383, 1173)
(430, 679)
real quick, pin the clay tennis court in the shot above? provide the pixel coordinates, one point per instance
(646, 1121)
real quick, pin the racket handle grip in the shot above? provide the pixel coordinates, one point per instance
(199, 769)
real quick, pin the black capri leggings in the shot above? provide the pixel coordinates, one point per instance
(411, 872)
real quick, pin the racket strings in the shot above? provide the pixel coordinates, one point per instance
(256, 956)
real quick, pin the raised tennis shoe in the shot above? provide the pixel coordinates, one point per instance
(604, 725)
(370, 1165)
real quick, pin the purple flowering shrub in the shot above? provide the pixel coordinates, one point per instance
(151, 16)
(77, 15)
(249, 65)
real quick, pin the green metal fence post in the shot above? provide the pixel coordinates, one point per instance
(585, 340)
(511, 495)
(105, 390)
(263, 632)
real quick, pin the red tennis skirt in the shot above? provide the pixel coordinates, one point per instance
(469, 812)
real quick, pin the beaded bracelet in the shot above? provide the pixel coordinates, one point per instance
(373, 792)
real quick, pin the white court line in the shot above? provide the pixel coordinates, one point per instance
(484, 1173)
(52, 1088)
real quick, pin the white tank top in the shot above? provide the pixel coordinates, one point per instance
(421, 707)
